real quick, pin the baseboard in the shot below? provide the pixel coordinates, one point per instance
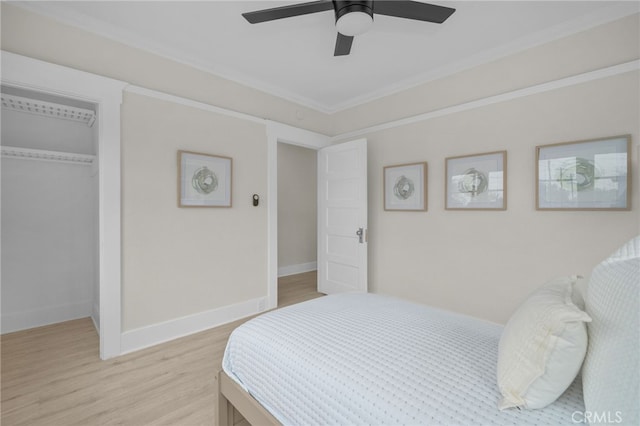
(300, 268)
(155, 334)
(39, 317)
(96, 325)
(95, 317)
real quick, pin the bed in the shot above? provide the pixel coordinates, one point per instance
(371, 359)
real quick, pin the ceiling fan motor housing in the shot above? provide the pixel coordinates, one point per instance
(357, 8)
(342, 7)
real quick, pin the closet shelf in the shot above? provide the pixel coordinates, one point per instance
(40, 154)
(49, 109)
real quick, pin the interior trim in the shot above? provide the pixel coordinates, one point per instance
(191, 103)
(27, 73)
(281, 133)
(300, 268)
(154, 334)
(290, 134)
(92, 25)
(503, 97)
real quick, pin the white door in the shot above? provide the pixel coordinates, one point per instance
(342, 217)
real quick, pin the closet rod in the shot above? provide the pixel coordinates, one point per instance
(41, 154)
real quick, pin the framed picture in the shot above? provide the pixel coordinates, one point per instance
(593, 174)
(405, 187)
(203, 180)
(476, 182)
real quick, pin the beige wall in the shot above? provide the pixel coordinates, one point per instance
(600, 47)
(175, 261)
(178, 262)
(297, 201)
(32, 35)
(484, 263)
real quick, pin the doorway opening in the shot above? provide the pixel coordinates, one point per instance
(279, 134)
(297, 209)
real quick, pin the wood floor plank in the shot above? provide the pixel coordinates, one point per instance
(53, 375)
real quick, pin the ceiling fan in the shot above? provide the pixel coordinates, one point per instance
(355, 17)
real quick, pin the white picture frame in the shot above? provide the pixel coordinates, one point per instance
(592, 174)
(476, 182)
(204, 180)
(405, 187)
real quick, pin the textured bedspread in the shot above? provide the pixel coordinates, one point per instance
(368, 359)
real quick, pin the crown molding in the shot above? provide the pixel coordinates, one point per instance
(504, 97)
(548, 35)
(285, 133)
(191, 103)
(111, 32)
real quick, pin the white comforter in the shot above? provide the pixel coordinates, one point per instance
(369, 359)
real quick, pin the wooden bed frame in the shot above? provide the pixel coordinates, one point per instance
(232, 398)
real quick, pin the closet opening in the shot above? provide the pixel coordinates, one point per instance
(49, 210)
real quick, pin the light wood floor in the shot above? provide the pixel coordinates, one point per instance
(53, 375)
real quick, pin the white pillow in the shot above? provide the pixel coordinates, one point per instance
(542, 347)
(610, 374)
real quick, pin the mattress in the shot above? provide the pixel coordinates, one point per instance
(369, 359)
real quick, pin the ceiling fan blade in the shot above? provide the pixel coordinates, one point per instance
(288, 11)
(343, 45)
(413, 10)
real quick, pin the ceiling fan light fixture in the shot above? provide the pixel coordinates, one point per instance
(353, 17)
(354, 23)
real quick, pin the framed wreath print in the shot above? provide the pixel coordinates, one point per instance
(592, 174)
(405, 187)
(476, 182)
(203, 180)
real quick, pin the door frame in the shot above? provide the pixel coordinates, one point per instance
(281, 133)
(32, 74)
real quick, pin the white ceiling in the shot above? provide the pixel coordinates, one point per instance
(293, 58)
